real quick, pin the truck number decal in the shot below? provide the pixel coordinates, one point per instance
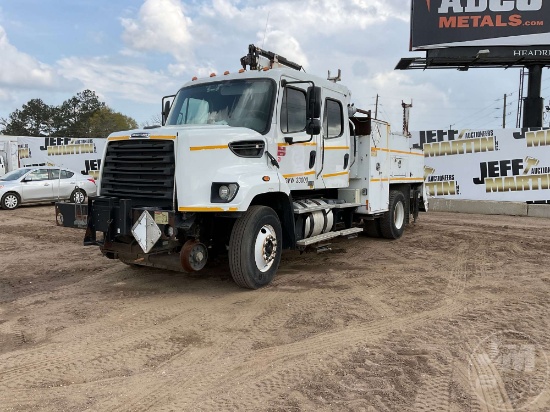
(299, 179)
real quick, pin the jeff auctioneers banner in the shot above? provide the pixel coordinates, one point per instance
(80, 155)
(477, 164)
(450, 23)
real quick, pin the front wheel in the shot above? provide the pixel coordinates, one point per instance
(255, 247)
(10, 201)
(392, 223)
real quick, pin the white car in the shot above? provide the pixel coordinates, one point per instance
(44, 184)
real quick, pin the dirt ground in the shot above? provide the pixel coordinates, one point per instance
(454, 316)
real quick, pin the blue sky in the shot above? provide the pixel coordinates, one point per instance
(133, 52)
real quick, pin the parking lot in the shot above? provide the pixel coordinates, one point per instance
(454, 316)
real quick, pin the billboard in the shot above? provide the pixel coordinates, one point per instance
(478, 164)
(450, 23)
(78, 154)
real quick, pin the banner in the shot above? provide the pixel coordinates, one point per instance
(80, 155)
(449, 23)
(478, 164)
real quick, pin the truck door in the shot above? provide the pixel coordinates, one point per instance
(298, 161)
(37, 186)
(334, 162)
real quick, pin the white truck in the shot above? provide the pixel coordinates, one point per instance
(9, 157)
(248, 164)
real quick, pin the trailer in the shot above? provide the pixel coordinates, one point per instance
(248, 164)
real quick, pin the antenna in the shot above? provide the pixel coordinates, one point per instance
(265, 31)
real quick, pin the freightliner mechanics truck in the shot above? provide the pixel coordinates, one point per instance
(248, 164)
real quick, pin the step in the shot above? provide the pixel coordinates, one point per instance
(316, 208)
(330, 235)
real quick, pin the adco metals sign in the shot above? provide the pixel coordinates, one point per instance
(448, 23)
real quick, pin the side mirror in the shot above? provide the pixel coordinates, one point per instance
(313, 110)
(313, 127)
(165, 111)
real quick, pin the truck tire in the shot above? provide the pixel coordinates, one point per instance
(255, 247)
(371, 228)
(10, 201)
(392, 223)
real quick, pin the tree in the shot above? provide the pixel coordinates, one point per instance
(83, 115)
(73, 116)
(106, 121)
(34, 119)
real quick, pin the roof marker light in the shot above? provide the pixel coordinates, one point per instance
(241, 71)
(212, 74)
(226, 73)
(194, 78)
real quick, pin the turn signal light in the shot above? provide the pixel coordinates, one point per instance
(266, 178)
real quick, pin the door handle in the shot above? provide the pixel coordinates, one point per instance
(46, 184)
(312, 156)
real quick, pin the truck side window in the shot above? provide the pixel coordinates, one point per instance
(293, 111)
(333, 119)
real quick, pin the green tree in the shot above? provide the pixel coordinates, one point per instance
(73, 116)
(106, 121)
(34, 119)
(83, 115)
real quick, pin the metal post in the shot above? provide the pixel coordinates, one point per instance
(534, 103)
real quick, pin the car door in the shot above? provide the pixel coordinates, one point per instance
(64, 182)
(37, 186)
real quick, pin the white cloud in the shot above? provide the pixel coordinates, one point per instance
(117, 81)
(161, 26)
(19, 70)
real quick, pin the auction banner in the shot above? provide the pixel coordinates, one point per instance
(78, 154)
(478, 164)
(449, 23)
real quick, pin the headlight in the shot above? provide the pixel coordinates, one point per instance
(223, 192)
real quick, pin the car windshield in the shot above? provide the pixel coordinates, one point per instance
(237, 103)
(14, 175)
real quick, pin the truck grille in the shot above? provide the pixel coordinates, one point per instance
(139, 169)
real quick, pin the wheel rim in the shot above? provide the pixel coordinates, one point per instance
(78, 197)
(10, 201)
(399, 215)
(265, 248)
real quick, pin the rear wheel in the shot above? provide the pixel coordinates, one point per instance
(392, 223)
(255, 247)
(10, 201)
(78, 196)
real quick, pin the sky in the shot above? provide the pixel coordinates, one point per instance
(133, 52)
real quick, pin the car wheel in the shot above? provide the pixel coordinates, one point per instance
(10, 201)
(78, 196)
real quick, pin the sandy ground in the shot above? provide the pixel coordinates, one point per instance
(452, 317)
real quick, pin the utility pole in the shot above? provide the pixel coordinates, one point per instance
(376, 109)
(504, 112)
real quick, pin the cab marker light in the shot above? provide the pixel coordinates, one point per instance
(225, 73)
(194, 78)
(212, 74)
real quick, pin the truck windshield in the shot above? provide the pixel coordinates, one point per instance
(236, 103)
